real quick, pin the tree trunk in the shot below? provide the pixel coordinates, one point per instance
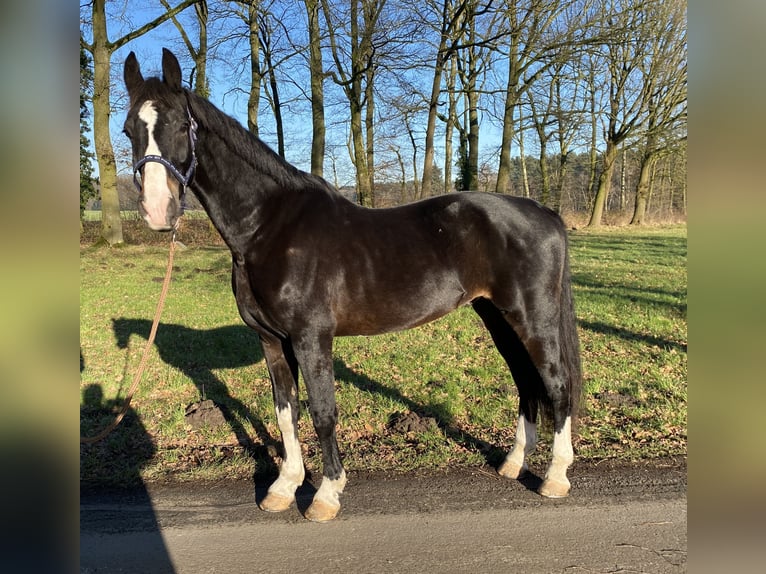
(623, 180)
(413, 141)
(369, 128)
(276, 103)
(355, 100)
(351, 82)
(317, 89)
(523, 158)
(111, 224)
(199, 55)
(202, 87)
(433, 103)
(450, 128)
(254, 98)
(447, 25)
(545, 178)
(604, 183)
(473, 106)
(360, 154)
(473, 135)
(503, 184)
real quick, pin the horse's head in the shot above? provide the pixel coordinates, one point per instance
(162, 133)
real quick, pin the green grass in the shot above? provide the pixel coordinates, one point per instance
(630, 289)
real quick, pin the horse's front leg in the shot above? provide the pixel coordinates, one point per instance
(314, 355)
(283, 370)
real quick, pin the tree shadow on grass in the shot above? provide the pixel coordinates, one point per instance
(625, 334)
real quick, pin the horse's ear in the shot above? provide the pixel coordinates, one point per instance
(171, 70)
(132, 73)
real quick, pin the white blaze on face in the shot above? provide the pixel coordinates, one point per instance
(154, 180)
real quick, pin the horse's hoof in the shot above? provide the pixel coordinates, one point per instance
(511, 470)
(554, 489)
(275, 502)
(320, 511)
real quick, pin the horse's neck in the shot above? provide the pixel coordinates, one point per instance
(237, 194)
(229, 188)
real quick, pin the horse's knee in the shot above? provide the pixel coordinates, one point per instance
(324, 420)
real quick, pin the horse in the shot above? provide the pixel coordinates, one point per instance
(309, 265)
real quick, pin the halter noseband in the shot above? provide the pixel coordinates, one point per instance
(183, 178)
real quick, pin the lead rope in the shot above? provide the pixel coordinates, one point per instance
(147, 348)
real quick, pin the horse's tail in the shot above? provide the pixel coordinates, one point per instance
(569, 341)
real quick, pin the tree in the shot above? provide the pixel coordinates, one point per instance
(266, 31)
(355, 78)
(634, 65)
(450, 18)
(666, 104)
(541, 33)
(471, 61)
(101, 49)
(316, 72)
(198, 54)
(249, 11)
(87, 188)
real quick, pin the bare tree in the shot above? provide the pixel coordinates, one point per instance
(316, 72)
(266, 31)
(539, 32)
(472, 61)
(249, 12)
(666, 102)
(450, 120)
(101, 49)
(351, 76)
(198, 53)
(633, 65)
(450, 17)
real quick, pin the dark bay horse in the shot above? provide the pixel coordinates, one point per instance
(309, 265)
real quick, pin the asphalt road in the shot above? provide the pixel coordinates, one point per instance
(619, 518)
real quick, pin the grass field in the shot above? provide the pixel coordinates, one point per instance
(630, 288)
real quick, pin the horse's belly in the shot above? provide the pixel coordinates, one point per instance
(378, 314)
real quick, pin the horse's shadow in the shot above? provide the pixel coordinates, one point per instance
(237, 346)
(196, 353)
(493, 455)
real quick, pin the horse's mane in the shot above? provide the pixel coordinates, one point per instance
(248, 146)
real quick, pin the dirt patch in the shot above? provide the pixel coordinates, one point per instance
(204, 414)
(411, 422)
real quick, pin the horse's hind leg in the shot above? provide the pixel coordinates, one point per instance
(531, 349)
(543, 344)
(527, 380)
(283, 370)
